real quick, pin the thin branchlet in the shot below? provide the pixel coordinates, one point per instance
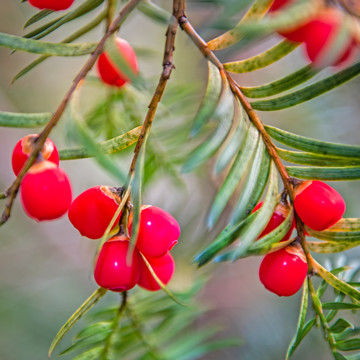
(114, 327)
(11, 192)
(254, 117)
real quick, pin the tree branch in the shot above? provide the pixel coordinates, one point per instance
(168, 66)
(11, 192)
(253, 116)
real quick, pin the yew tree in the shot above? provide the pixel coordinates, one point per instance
(195, 134)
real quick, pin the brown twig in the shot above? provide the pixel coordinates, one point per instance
(11, 192)
(253, 116)
(168, 66)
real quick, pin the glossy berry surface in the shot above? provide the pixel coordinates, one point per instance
(277, 218)
(112, 271)
(45, 191)
(164, 268)
(51, 4)
(321, 33)
(107, 69)
(158, 232)
(283, 272)
(23, 149)
(318, 205)
(92, 211)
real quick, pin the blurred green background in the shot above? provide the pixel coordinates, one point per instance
(46, 268)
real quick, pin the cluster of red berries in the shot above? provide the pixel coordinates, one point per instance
(92, 211)
(45, 190)
(55, 5)
(46, 195)
(319, 34)
(319, 207)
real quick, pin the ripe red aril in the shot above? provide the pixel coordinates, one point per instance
(45, 191)
(158, 231)
(283, 272)
(164, 268)
(318, 205)
(279, 215)
(51, 4)
(92, 211)
(278, 4)
(112, 270)
(107, 69)
(321, 33)
(297, 34)
(23, 149)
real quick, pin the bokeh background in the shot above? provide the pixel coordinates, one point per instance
(46, 268)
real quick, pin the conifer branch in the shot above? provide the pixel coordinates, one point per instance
(11, 192)
(253, 116)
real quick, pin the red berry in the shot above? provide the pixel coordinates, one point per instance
(278, 4)
(108, 71)
(280, 213)
(51, 4)
(112, 271)
(321, 34)
(318, 205)
(92, 211)
(158, 232)
(164, 268)
(23, 149)
(297, 34)
(45, 191)
(283, 272)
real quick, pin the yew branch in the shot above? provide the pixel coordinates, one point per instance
(254, 117)
(11, 192)
(168, 66)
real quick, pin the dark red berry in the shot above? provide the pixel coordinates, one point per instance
(45, 191)
(280, 213)
(112, 270)
(107, 69)
(23, 149)
(283, 272)
(51, 4)
(318, 205)
(164, 268)
(158, 232)
(92, 211)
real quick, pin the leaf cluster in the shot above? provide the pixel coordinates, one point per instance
(151, 326)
